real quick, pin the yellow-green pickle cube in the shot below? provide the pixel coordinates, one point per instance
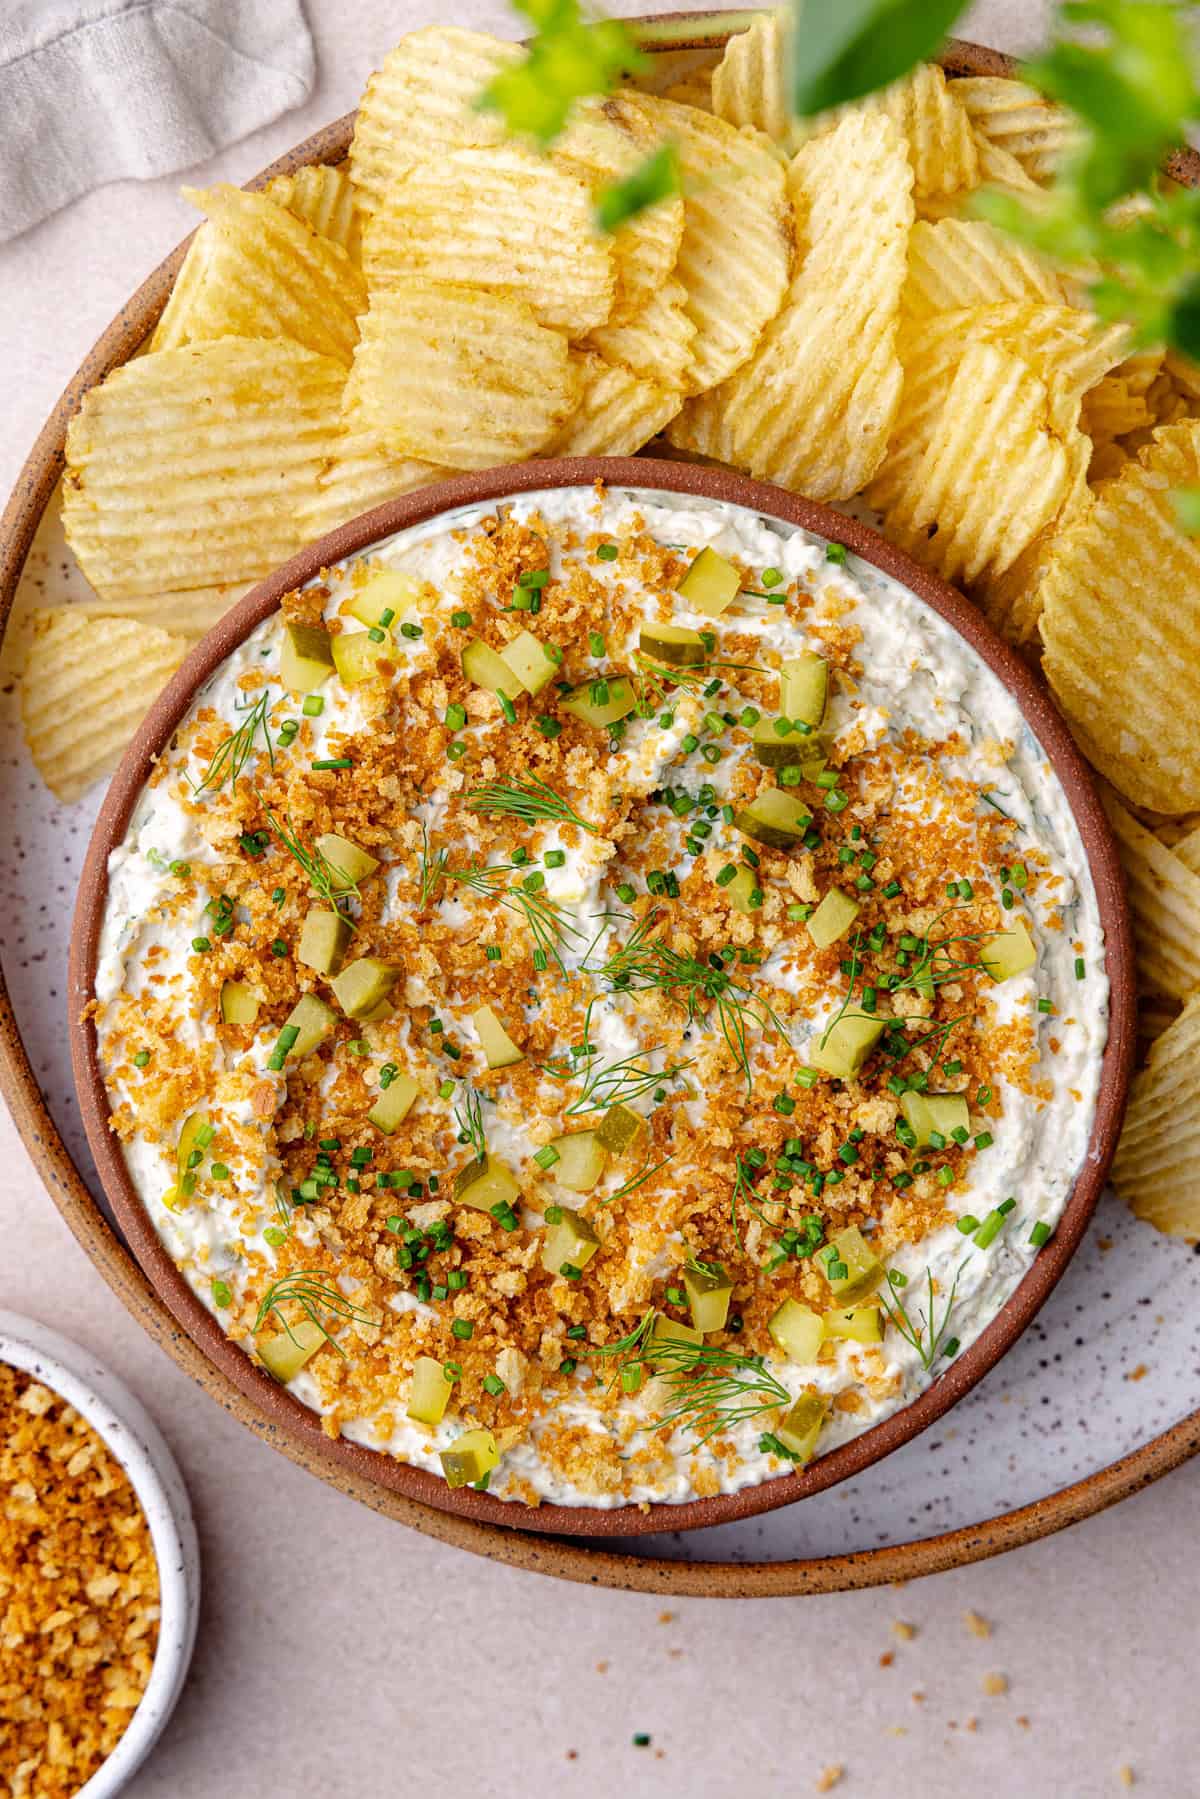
(470, 1458)
(429, 1391)
(800, 1427)
(571, 1242)
(850, 1250)
(709, 1290)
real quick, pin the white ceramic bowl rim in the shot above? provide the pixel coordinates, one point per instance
(138, 1445)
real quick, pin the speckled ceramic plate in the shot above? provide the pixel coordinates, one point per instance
(1096, 1400)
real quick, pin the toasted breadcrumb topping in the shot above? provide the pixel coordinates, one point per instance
(79, 1598)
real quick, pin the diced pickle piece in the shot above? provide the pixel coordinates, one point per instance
(800, 1427)
(669, 1330)
(709, 1290)
(775, 818)
(804, 688)
(305, 658)
(385, 591)
(1009, 953)
(359, 988)
(619, 1129)
(239, 1003)
(843, 1048)
(469, 1458)
(850, 1250)
(744, 892)
(348, 864)
(393, 1104)
(796, 1330)
(586, 704)
(323, 941)
(429, 1391)
(581, 1160)
(498, 1046)
(485, 1183)
(531, 662)
(787, 749)
(862, 1324)
(357, 655)
(487, 668)
(832, 918)
(675, 645)
(194, 1137)
(930, 1112)
(571, 1241)
(284, 1353)
(711, 584)
(313, 1021)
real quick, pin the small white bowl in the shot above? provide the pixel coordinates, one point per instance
(136, 1442)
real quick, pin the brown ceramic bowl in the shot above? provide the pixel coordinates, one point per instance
(295, 1419)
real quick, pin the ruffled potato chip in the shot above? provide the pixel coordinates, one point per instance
(656, 342)
(359, 474)
(616, 412)
(735, 257)
(457, 376)
(994, 473)
(420, 102)
(188, 612)
(87, 684)
(963, 262)
(324, 198)
(1017, 119)
(263, 272)
(189, 468)
(1157, 1166)
(814, 406)
(502, 219)
(1164, 897)
(1119, 607)
(749, 84)
(603, 144)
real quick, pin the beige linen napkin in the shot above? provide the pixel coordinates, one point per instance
(100, 90)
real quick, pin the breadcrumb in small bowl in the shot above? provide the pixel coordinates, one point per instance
(90, 1484)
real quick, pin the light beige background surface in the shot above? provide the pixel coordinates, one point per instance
(340, 1656)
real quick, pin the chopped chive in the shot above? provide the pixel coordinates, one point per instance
(283, 1047)
(463, 1329)
(607, 552)
(494, 1385)
(333, 762)
(142, 1058)
(1040, 1233)
(547, 1156)
(461, 620)
(835, 552)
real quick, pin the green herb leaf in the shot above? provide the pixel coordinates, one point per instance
(844, 51)
(569, 58)
(653, 180)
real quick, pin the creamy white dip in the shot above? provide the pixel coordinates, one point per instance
(916, 674)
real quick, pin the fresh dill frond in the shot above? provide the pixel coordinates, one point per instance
(314, 1295)
(469, 1118)
(532, 801)
(646, 964)
(328, 882)
(432, 868)
(710, 1390)
(547, 922)
(638, 1180)
(605, 1084)
(658, 678)
(231, 756)
(744, 1194)
(928, 1335)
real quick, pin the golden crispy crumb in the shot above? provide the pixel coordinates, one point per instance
(79, 1599)
(1126, 1775)
(905, 1632)
(977, 1625)
(995, 1684)
(829, 1777)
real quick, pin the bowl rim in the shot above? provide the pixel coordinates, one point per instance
(290, 1415)
(135, 1441)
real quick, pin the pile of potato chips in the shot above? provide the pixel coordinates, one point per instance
(819, 309)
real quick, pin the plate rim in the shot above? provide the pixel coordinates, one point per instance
(443, 500)
(561, 1558)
